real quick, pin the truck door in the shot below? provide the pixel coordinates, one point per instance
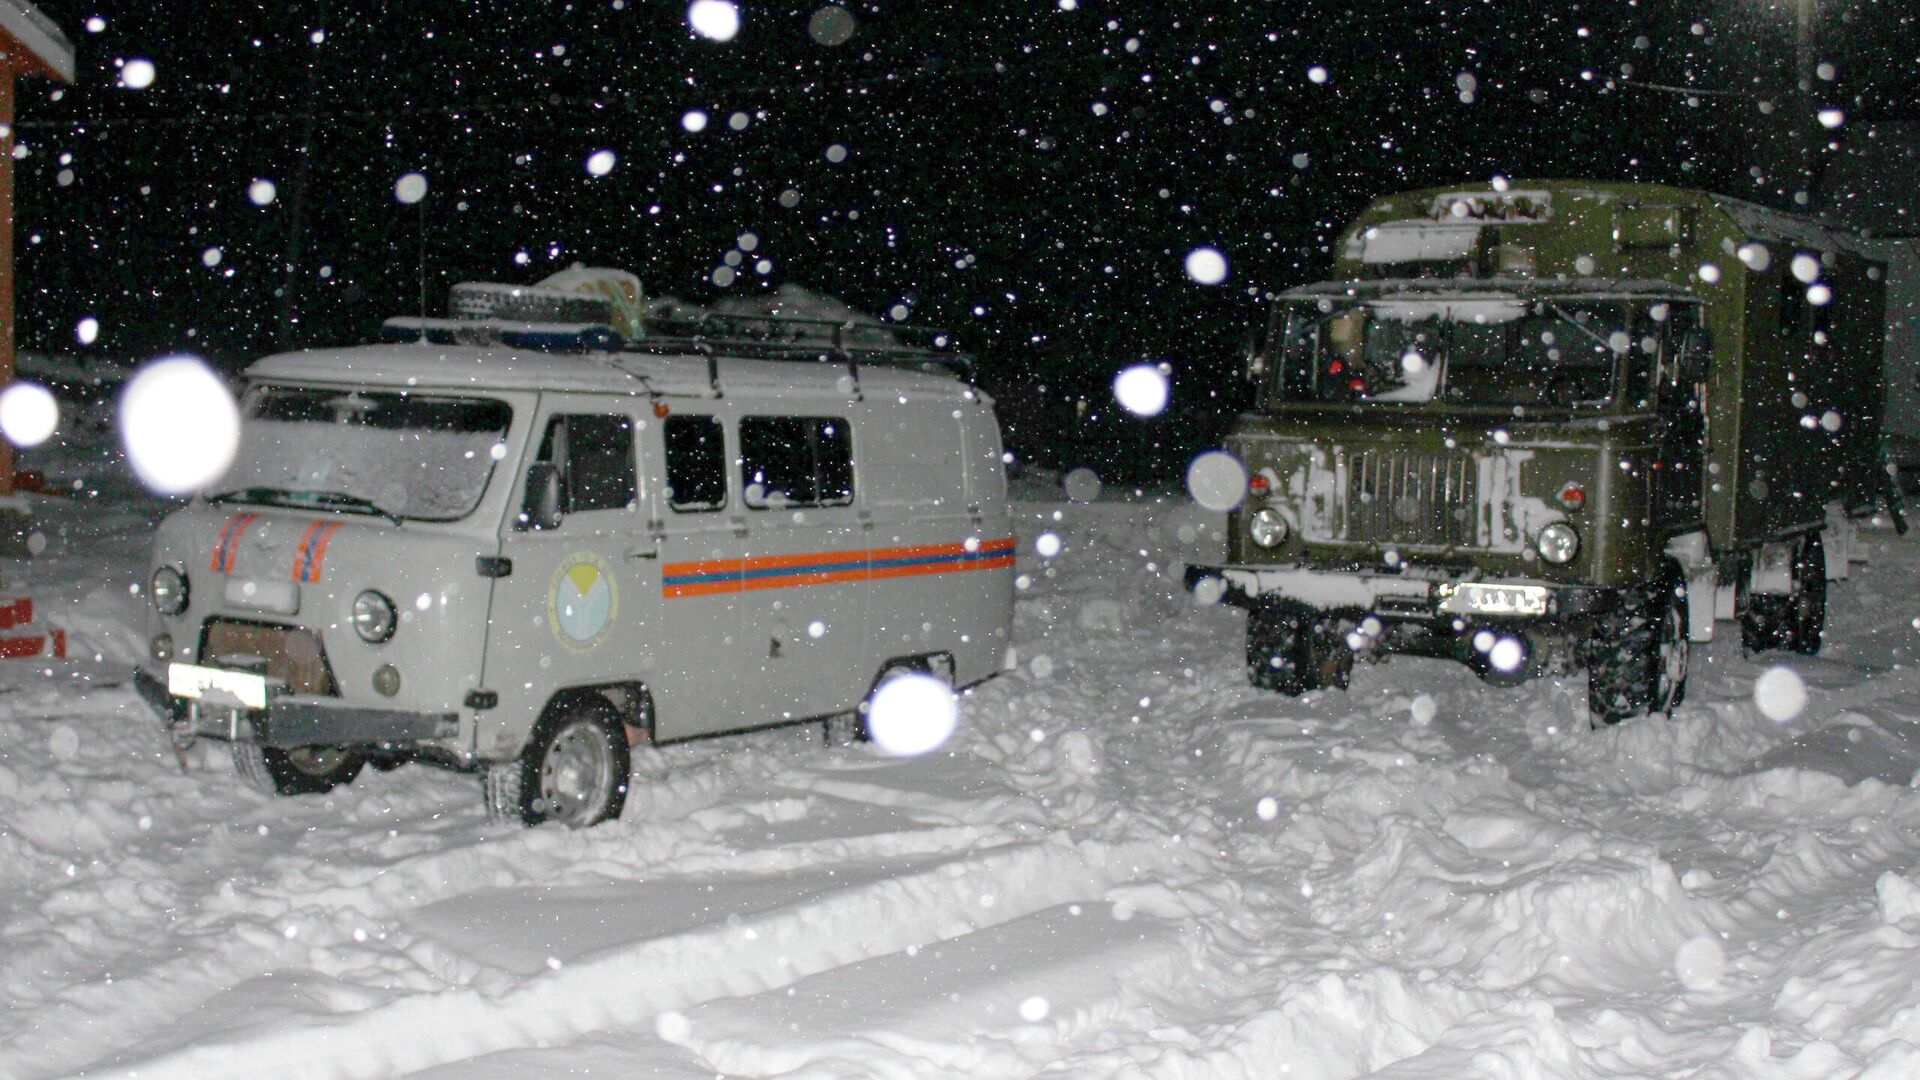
(571, 605)
(1680, 397)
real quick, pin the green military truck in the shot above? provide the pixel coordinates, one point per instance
(1552, 426)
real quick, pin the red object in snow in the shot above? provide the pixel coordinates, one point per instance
(27, 641)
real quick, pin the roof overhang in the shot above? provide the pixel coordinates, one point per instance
(24, 29)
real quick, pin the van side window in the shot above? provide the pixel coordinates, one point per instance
(795, 461)
(595, 455)
(696, 464)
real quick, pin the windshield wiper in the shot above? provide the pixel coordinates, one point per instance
(330, 500)
(250, 494)
(1583, 328)
(340, 500)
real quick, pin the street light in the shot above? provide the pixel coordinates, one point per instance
(1804, 14)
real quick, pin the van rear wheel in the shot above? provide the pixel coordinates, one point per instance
(846, 729)
(574, 770)
(302, 770)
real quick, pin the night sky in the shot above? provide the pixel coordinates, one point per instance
(1028, 174)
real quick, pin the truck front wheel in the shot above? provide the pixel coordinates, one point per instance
(1273, 650)
(1288, 654)
(1639, 655)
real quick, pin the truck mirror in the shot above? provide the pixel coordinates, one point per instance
(1696, 354)
(542, 510)
(1254, 360)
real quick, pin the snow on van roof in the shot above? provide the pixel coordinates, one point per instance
(460, 367)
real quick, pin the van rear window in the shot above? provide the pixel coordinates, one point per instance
(790, 461)
(696, 464)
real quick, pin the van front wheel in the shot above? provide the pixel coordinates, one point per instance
(574, 770)
(303, 770)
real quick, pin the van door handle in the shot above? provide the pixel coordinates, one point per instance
(739, 526)
(647, 553)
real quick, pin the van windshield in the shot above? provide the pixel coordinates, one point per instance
(392, 454)
(1562, 354)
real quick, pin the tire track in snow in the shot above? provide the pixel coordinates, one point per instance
(627, 987)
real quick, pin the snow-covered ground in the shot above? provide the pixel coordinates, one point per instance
(1126, 863)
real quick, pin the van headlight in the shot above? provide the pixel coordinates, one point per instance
(374, 617)
(168, 590)
(1558, 543)
(1267, 527)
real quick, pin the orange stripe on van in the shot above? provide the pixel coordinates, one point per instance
(225, 549)
(717, 576)
(311, 552)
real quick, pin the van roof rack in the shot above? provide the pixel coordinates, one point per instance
(712, 335)
(804, 338)
(540, 336)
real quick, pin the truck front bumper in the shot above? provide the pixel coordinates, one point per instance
(1415, 593)
(290, 721)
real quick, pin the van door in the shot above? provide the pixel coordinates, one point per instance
(571, 604)
(925, 543)
(803, 609)
(701, 671)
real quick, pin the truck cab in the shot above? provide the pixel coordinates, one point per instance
(1555, 426)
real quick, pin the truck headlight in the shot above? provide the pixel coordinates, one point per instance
(1558, 543)
(168, 590)
(1267, 527)
(374, 617)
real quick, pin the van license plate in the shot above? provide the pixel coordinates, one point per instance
(1473, 599)
(217, 684)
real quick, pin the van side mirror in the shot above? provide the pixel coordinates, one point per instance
(1253, 354)
(542, 510)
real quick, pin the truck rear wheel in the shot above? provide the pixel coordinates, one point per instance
(574, 770)
(1796, 620)
(1807, 604)
(303, 770)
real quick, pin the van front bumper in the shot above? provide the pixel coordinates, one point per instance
(1414, 593)
(291, 721)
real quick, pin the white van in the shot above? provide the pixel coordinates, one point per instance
(514, 549)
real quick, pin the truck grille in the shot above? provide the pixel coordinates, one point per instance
(287, 653)
(1406, 497)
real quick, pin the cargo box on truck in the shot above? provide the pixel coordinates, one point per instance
(1546, 426)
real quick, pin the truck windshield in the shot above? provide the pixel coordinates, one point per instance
(394, 455)
(1563, 354)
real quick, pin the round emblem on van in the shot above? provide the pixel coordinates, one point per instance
(582, 600)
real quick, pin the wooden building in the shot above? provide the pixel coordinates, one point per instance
(30, 44)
